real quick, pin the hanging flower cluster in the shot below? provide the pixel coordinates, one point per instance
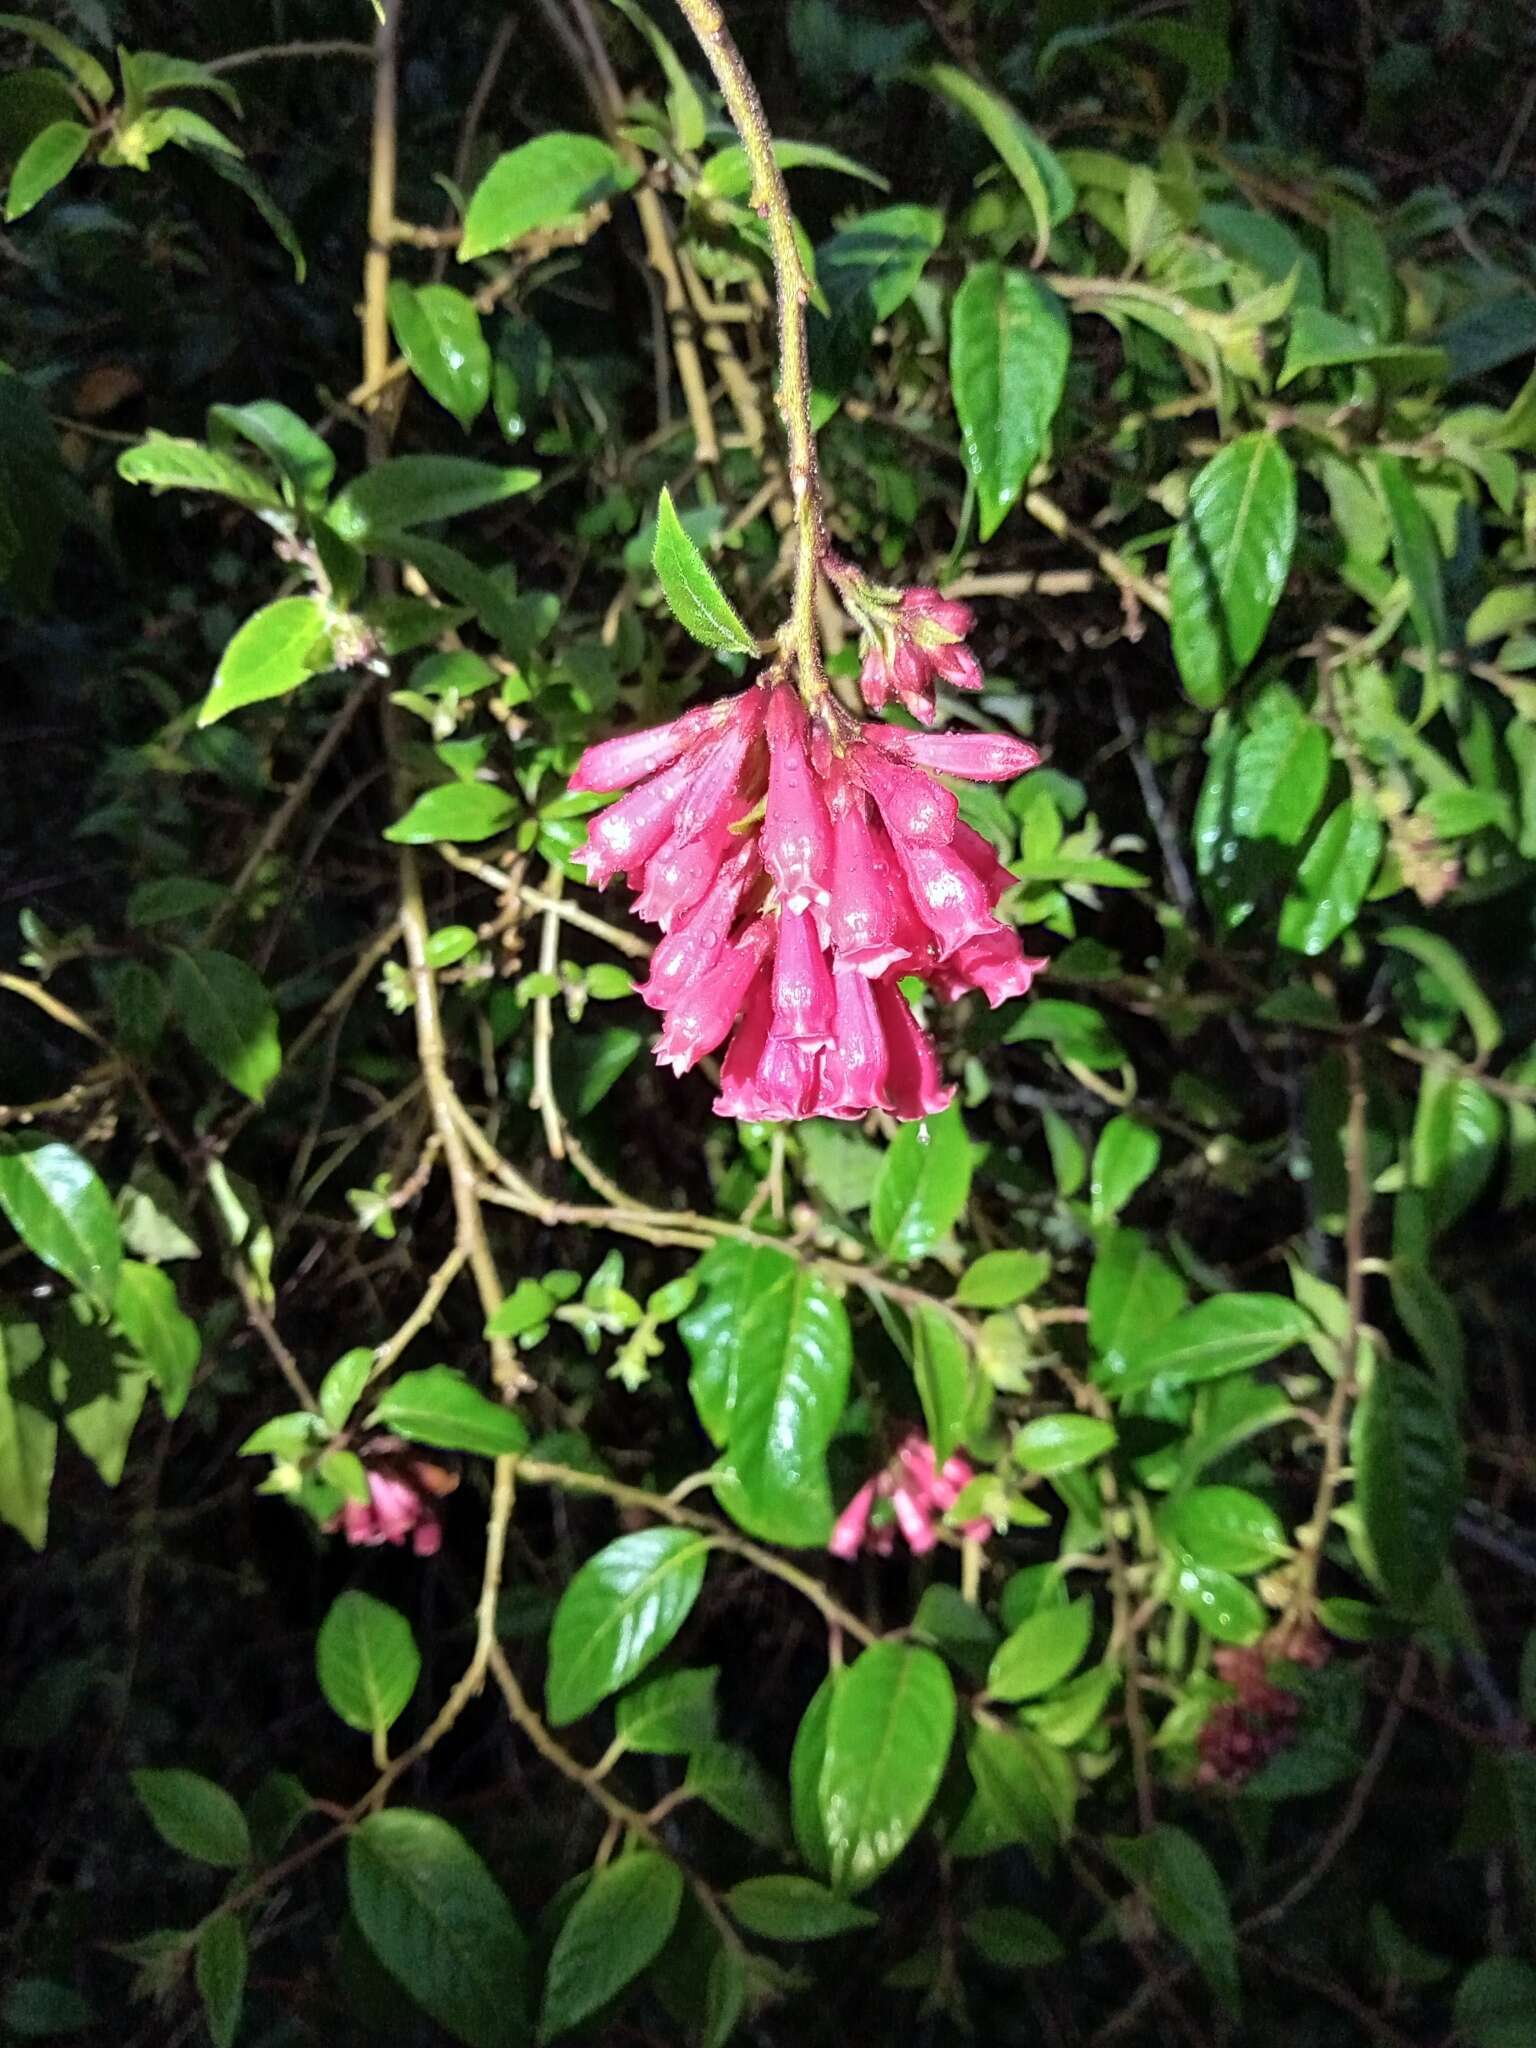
(799, 864)
(402, 1500)
(920, 1492)
(911, 640)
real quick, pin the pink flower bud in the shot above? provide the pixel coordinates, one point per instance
(849, 1530)
(696, 945)
(713, 783)
(803, 1002)
(915, 1525)
(973, 756)
(702, 1017)
(679, 874)
(875, 680)
(913, 805)
(616, 763)
(922, 601)
(995, 963)
(950, 898)
(797, 834)
(958, 666)
(629, 832)
(913, 1088)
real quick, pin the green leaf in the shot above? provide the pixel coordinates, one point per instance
(924, 1184)
(39, 2006)
(166, 464)
(195, 1816)
(1011, 1939)
(419, 490)
(1061, 1443)
(287, 442)
(1008, 351)
(732, 1783)
(244, 179)
(46, 161)
(697, 601)
(731, 1277)
(173, 898)
(806, 1762)
(149, 73)
(619, 1613)
(367, 1662)
(1126, 1154)
(1132, 1295)
(889, 1729)
(1024, 1794)
(440, 336)
(93, 77)
(1494, 2004)
(439, 1923)
(1408, 1479)
(229, 1018)
(57, 1205)
(1185, 1891)
(1448, 968)
(941, 1366)
(1227, 1527)
(670, 1716)
(1074, 1031)
(438, 1406)
(221, 1970)
(1332, 881)
(1229, 562)
(685, 109)
(729, 175)
(342, 1387)
(793, 1382)
(1039, 171)
(540, 185)
(1415, 554)
(1041, 1651)
(1457, 1128)
(1224, 1607)
(462, 812)
(277, 648)
(146, 1310)
(620, 1923)
(1226, 1334)
(794, 1909)
(999, 1279)
(1280, 774)
(29, 1436)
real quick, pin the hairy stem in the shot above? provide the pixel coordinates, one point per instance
(770, 199)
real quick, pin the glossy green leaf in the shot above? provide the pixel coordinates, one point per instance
(419, 490)
(29, 1435)
(941, 1366)
(438, 1406)
(367, 1662)
(88, 71)
(288, 443)
(1024, 1794)
(167, 464)
(794, 1909)
(1228, 1333)
(1407, 1456)
(1126, 1154)
(1415, 553)
(1229, 562)
(146, 1310)
(619, 1613)
(1011, 1939)
(1041, 1651)
(618, 1926)
(342, 1387)
(806, 1763)
(685, 108)
(670, 1716)
(277, 648)
(889, 1729)
(229, 1018)
(57, 1205)
(221, 1970)
(1452, 971)
(1039, 171)
(793, 1383)
(461, 812)
(46, 161)
(1331, 883)
(1000, 1279)
(1132, 1295)
(730, 1781)
(197, 1817)
(729, 174)
(1457, 1130)
(1061, 1443)
(542, 184)
(1227, 1527)
(1186, 1892)
(731, 1277)
(1009, 345)
(440, 336)
(1224, 1607)
(1320, 340)
(1279, 777)
(440, 1924)
(923, 1187)
(688, 584)
(1074, 1031)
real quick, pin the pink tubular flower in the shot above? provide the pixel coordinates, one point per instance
(400, 1501)
(920, 1493)
(799, 865)
(911, 638)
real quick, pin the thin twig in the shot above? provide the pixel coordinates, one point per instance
(275, 53)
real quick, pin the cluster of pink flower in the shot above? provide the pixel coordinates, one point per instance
(920, 1491)
(402, 1501)
(1240, 1735)
(799, 864)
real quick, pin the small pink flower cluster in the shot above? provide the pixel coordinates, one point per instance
(921, 1492)
(400, 1502)
(911, 640)
(799, 864)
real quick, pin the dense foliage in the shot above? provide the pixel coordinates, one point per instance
(497, 1550)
